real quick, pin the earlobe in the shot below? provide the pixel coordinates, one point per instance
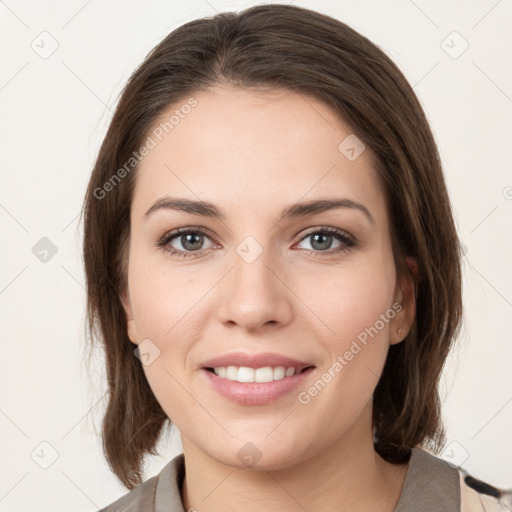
(132, 331)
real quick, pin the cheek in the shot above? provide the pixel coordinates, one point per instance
(354, 306)
(350, 299)
(162, 297)
(163, 307)
(355, 309)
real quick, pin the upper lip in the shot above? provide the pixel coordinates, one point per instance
(255, 361)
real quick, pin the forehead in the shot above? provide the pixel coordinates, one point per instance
(258, 150)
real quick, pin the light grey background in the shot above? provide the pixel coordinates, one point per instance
(55, 108)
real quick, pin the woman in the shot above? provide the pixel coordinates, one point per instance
(273, 266)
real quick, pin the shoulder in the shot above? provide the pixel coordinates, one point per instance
(141, 497)
(158, 493)
(479, 496)
(433, 484)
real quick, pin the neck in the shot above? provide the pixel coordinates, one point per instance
(346, 476)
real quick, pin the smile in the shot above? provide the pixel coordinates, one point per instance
(248, 390)
(246, 374)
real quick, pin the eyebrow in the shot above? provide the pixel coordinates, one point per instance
(301, 209)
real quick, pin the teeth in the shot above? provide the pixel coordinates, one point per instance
(245, 374)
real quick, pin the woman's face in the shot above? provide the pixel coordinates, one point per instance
(254, 282)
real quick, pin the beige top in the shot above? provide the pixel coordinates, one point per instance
(431, 485)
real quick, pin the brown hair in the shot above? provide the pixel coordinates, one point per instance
(280, 46)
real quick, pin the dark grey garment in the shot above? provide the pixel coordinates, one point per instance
(431, 485)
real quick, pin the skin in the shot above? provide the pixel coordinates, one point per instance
(252, 154)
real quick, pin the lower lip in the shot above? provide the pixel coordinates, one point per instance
(255, 393)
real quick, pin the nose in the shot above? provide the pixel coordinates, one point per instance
(255, 293)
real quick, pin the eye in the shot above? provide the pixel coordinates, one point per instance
(189, 242)
(322, 239)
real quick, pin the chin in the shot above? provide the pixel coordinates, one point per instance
(256, 456)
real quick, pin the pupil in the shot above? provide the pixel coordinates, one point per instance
(189, 241)
(323, 245)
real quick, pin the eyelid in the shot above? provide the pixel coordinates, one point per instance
(328, 229)
(347, 239)
(174, 233)
(167, 235)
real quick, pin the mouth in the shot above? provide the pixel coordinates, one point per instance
(264, 374)
(257, 378)
(256, 386)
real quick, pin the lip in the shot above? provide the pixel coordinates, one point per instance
(255, 361)
(255, 393)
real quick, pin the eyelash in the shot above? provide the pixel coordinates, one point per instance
(347, 241)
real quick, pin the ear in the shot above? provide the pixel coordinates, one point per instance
(405, 295)
(131, 326)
